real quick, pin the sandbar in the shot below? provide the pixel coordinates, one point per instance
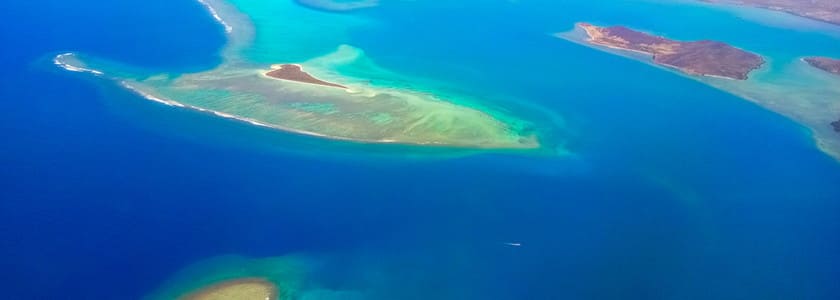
(338, 6)
(705, 58)
(240, 289)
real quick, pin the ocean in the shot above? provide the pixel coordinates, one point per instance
(662, 187)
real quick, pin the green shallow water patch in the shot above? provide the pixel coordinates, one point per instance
(289, 273)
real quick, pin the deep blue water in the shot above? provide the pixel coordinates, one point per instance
(677, 191)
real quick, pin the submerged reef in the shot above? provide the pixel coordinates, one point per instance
(821, 10)
(707, 58)
(241, 289)
(824, 63)
(237, 277)
(330, 99)
(302, 103)
(337, 5)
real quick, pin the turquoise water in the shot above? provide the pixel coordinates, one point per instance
(669, 189)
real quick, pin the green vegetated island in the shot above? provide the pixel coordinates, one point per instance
(813, 101)
(317, 97)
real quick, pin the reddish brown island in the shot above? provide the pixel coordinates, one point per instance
(821, 10)
(707, 58)
(829, 65)
(293, 72)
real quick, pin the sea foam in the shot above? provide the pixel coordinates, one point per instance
(215, 14)
(58, 61)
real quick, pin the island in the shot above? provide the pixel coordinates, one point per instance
(293, 72)
(705, 58)
(242, 289)
(829, 65)
(809, 98)
(820, 10)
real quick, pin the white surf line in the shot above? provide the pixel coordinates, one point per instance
(150, 96)
(244, 119)
(215, 14)
(57, 61)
